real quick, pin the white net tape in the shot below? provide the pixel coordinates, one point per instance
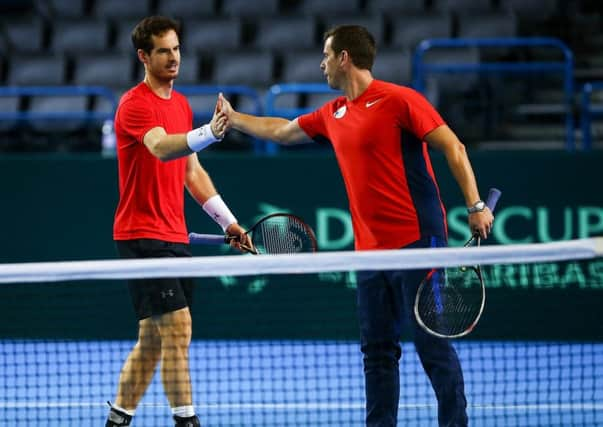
(236, 265)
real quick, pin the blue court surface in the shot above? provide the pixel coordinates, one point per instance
(302, 383)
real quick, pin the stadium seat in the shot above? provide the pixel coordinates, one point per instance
(186, 9)
(9, 105)
(396, 7)
(3, 50)
(393, 65)
(465, 7)
(285, 33)
(302, 66)
(211, 34)
(103, 70)
(250, 8)
(25, 34)
(65, 8)
(538, 10)
(247, 104)
(328, 8)
(287, 100)
(317, 100)
(456, 82)
(34, 70)
(120, 9)
(58, 104)
(103, 105)
(408, 31)
(79, 35)
(190, 70)
(374, 23)
(499, 25)
(459, 97)
(188, 74)
(123, 35)
(252, 68)
(491, 25)
(202, 105)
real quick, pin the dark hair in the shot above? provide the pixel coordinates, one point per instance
(357, 41)
(142, 34)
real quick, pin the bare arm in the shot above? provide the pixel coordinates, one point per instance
(166, 146)
(274, 128)
(197, 180)
(445, 140)
(201, 188)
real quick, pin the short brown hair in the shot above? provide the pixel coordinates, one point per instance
(142, 35)
(357, 41)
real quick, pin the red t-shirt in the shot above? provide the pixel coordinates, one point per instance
(378, 141)
(151, 192)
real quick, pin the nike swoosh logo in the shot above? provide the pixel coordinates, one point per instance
(370, 104)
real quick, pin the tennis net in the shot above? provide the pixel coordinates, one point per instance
(277, 349)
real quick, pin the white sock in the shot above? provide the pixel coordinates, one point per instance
(184, 411)
(130, 412)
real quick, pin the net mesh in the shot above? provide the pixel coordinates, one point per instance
(282, 350)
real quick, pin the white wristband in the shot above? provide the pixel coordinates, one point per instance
(217, 209)
(200, 138)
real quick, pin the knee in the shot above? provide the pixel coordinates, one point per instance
(427, 343)
(148, 351)
(177, 335)
(383, 354)
(177, 340)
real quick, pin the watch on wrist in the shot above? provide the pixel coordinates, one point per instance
(478, 206)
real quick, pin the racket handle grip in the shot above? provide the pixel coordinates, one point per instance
(493, 196)
(206, 239)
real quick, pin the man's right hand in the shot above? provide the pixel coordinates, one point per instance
(241, 240)
(219, 121)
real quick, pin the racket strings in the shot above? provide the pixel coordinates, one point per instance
(282, 235)
(451, 301)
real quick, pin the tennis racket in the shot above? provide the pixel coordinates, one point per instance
(278, 233)
(450, 301)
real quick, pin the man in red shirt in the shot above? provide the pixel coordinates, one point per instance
(156, 153)
(380, 133)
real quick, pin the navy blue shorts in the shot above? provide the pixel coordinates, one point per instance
(153, 297)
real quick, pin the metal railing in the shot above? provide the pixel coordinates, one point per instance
(588, 111)
(421, 69)
(88, 115)
(50, 91)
